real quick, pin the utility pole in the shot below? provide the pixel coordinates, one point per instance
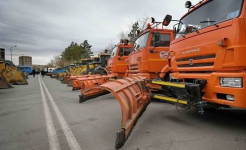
(11, 51)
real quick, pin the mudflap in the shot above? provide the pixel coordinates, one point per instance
(132, 95)
(4, 83)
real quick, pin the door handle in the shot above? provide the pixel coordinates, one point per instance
(153, 51)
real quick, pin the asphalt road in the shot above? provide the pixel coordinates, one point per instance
(30, 120)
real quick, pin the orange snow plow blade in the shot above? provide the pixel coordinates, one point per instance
(70, 79)
(131, 94)
(89, 82)
(67, 78)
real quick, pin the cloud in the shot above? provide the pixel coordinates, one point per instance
(43, 29)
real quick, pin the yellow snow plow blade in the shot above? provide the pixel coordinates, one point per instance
(19, 78)
(13, 76)
(4, 84)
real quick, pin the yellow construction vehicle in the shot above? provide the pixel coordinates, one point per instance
(4, 84)
(78, 69)
(13, 76)
(96, 67)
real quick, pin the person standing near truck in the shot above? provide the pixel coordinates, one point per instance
(33, 73)
(42, 73)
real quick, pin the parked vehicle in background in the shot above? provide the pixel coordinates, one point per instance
(55, 72)
(48, 71)
(25, 69)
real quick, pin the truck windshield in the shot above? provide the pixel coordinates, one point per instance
(114, 51)
(141, 41)
(211, 13)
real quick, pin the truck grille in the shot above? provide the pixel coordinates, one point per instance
(133, 67)
(197, 61)
(196, 65)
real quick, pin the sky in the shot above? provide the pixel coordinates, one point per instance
(44, 28)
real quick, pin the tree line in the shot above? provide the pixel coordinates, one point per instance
(73, 53)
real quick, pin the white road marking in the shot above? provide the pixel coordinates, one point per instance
(52, 136)
(72, 142)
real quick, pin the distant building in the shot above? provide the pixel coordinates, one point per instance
(25, 61)
(2, 54)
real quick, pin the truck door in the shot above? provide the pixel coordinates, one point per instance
(122, 56)
(157, 56)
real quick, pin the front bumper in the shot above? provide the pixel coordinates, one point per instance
(213, 92)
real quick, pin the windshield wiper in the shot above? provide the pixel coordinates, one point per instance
(212, 22)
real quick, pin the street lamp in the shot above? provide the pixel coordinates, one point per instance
(11, 51)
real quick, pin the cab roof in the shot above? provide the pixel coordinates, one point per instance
(193, 8)
(154, 30)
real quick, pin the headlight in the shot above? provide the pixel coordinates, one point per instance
(231, 82)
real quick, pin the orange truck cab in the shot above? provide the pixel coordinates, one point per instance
(208, 56)
(116, 66)
(148, 59)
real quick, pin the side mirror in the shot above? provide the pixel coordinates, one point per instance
(157, 36)
(137, 46)
(174, 31)
(137, 32)
(188, 4)
(152, 20)
(126, 42)
(157, 44)
(167, 20)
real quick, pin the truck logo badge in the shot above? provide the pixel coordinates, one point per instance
(191, 51)
(191, 62)
(163, 55)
